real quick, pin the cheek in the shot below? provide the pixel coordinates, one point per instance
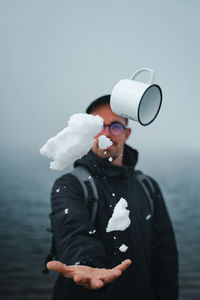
(96, 140)
(121, 140)
(97, 136)
(116, 140)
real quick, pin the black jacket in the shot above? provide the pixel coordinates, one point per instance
(151, 243)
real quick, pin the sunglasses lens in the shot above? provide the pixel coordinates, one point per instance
(116, 128)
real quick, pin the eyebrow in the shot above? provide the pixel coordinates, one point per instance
(116, 122)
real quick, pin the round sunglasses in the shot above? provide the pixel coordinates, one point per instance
(115, 128)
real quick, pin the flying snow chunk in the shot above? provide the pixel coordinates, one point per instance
(72, 142)
(104, 142)
(92, 231)
(123, 248)
(120, 218)
(148, 217)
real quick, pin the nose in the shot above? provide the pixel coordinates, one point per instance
(106, 132)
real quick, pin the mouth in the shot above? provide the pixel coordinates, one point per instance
(110, 147)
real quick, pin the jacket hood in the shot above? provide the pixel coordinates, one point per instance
(99, 167)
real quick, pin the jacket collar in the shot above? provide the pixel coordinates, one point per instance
(100, 167)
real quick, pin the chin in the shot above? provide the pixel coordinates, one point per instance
(104, 156)
(110, 153)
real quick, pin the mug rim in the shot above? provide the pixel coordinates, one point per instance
(161, 97)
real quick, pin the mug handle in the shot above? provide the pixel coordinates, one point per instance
(151, 78)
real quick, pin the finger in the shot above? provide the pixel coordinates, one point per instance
(123, 266)
(110, 276)
(96, 284)
(56, 266)
(79, 279)
(61, 268)
(114, 273)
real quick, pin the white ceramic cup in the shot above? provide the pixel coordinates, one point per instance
(137, 100)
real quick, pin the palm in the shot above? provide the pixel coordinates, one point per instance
(92, 278)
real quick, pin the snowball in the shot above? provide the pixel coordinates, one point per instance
(104, 142)
(72, 142)
(66, 211)
(123, 248)
(92, 231)
(148, 217)
(120, 218)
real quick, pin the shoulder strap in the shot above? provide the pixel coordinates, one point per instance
(147, 186)
(89, 190)
(91, 201)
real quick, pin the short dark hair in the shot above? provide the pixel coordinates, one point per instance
(99, 101)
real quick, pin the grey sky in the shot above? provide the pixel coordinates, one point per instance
(57, 56)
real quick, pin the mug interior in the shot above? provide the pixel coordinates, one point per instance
(150, 104)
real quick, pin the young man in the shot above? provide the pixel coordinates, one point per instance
(137, 263)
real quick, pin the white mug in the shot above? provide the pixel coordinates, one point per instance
(137, 100)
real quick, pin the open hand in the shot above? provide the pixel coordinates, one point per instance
(90, 278)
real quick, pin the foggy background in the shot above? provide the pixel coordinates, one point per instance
(55, 58)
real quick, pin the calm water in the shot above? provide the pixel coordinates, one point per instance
(24, 202)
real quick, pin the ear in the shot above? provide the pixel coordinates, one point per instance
(128, 132)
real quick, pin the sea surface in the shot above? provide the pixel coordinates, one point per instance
(24, 240)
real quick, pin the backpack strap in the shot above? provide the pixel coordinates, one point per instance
(91, 200)
(89, 189)
(148, 188)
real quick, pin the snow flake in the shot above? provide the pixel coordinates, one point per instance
(123, 248)
(113, 194)
(66, 211)
(92, 231)
(58, 190)
(104, 142)
(148, 217)
(110, 159)
(120, 218)
(77, 263)
(73, 142)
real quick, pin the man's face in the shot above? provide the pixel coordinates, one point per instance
(116, 149)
